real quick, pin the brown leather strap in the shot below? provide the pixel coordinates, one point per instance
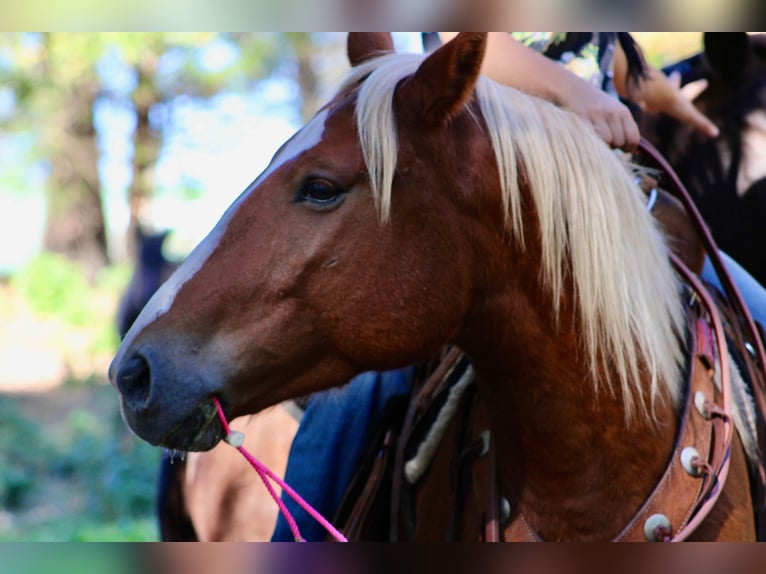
(354, 528)
(684, 498)
(723, 428)
(422, 396)
(519, 530)
(491, 501)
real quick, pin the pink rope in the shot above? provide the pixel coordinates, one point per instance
(265, 474)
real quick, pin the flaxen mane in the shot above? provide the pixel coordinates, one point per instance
(591, 214)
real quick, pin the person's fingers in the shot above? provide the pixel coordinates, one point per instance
(632, 133)
(616, 131)
(703, 124)
(686, 112)
(694, 89)
(685, 109)
(601, 126)
(675, 79)
(624, 132)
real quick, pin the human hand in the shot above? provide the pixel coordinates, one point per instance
(683, 108)
(610, 118)
(660, 94)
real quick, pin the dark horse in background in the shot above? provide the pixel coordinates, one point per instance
(151, 269)
(726, 176)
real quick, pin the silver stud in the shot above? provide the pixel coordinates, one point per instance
(235, 438)
(485, 438)
(652, 200)
(699, 402)
(654, 522)
(505, 510)
(687, 455)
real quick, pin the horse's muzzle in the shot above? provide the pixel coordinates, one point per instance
(158, 408)
(133, 380)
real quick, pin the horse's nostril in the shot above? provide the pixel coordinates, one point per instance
(134, 380)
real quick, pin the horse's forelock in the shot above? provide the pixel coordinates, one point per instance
(375, 82)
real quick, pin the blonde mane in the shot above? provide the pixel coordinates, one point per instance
(593, 223)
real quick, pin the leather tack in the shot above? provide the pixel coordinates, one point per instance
(505, 510)
(687, 456)
(699, 402)
(485, 442)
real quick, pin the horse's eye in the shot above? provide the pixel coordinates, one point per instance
(320, 192)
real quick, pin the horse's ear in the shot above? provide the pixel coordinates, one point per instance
(362, 46)
(727, 52)
(445, 80)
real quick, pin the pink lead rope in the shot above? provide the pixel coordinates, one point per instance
(236, 438)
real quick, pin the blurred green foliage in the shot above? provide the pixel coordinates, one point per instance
(57, 289)
(90, 479)
(53, 285)
(663, 48)
(76, 474)
(23, 452)
(96, 480)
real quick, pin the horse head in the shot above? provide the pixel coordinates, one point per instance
(398, 220)
(314, 274)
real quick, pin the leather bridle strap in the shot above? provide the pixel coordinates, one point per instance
(720, 453)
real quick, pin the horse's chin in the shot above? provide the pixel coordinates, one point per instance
(199, 431)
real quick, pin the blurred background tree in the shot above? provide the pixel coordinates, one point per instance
(252, 57)
(56, 80)
(55, 86)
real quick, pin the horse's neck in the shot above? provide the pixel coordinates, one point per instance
(568, 461)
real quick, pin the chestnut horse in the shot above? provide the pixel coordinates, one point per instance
(426, 205)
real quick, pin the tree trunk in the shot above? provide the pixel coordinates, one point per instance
(146, 145)
(75, 218)
(307, 79)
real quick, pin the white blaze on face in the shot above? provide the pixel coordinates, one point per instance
(753, 164)
(308, 137)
